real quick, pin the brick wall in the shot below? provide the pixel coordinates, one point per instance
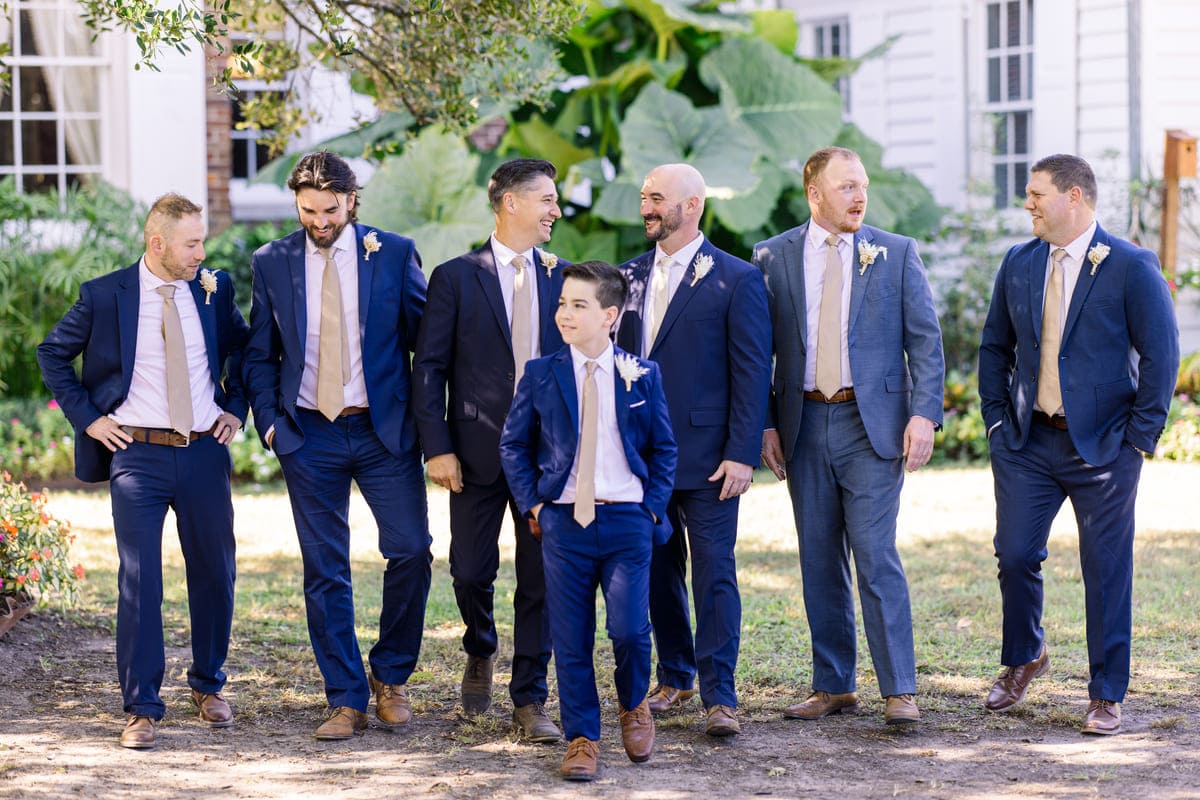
(218, 145)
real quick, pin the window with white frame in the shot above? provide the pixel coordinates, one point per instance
(831, 39)
(250, 153)
(1009, 54)
(51, 110)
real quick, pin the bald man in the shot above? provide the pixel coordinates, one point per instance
(701, 314)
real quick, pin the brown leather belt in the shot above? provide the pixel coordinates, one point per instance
(165, 436)
(1057, 421)
(348, 411)
(840, 396)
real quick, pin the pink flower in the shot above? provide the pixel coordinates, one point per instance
(34, 575)
(79, 571)
(52, 405)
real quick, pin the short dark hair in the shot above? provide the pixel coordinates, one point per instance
(1066, 171)
(817, 161)
(517, 174)
(326, 172)
(611, 286)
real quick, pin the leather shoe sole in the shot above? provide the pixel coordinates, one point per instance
(821, 704)
(666, 699)
(1010, 688)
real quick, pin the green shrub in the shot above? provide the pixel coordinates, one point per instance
(1181, 439)
(36, 441)
(34, 546)
(232, 248)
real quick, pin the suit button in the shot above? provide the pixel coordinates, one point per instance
(511, 376)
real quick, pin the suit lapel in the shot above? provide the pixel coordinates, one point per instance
(1084, 284)
(859, 278)
(622, 397)
(564, 372)
(208, 324)
(366, 274)
(128, 299)
(793, 277)
(547, 302)
(685, 292)
(295, 265)
(633, 315)
(489, 282)
(1037, 287)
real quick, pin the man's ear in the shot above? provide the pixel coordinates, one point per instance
(351, 201)
(610, 316)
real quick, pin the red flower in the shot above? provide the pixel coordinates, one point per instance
(79, 571)
(47, 553)
(35, 556)
(20, 580)
(34, 575)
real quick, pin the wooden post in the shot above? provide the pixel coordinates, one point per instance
(1179, 161)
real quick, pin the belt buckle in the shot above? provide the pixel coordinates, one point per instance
(187, 439)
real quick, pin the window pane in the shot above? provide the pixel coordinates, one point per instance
(6, 90)
(820, 43)
(993, 80)
(1020, 177)
(262, 156)
(39, 146)
(35, 94)
(83, 141)
(993, 23)
(1020, 132)
(39, 183)
(77, 179)
(1029, 75)
(1014, 77)
(241, 166)
(81, 91)
(835, 40)
(1000, 177)
(1000, 138)
(1014, 23)
(7, 141)
(1028, 21)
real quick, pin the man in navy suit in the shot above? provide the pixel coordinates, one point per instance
(489, 312)
(1077, 366)
(856, 398)
(589, 454)
(701, 315)
(152, 417)
(335, 314)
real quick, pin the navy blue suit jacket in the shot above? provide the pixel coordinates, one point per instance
(541, 435)
(391, 296)
(102, 325)
(1107, 397)
(894, 339)
(714, 347)
(465, 344)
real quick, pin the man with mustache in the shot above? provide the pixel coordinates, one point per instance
(153, 418)
(488, 313)
(336, 310)
(856, 398)
(701, 314)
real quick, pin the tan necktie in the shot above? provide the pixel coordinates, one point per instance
(179, 385)
(829, 324)
(333, 356)
(522, 318)
(660, 298)
(1049, 393)
(585, 484)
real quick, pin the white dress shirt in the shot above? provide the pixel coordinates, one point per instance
(508, 273)
(1072, 263)
(146, 404)
(815, 250)
(615, 482)
(345, 258)
(679, 262)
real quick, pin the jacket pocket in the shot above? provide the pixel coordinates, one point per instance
(898, 383)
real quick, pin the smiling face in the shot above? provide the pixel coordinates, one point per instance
(838, 196)
(581, 319)
(1056, 215)
(176, 252)
(528, 214)
(672, 202)
(324, 214)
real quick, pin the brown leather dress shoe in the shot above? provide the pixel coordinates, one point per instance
(477, 684)
(821, 704)
(343, 723)
(392, 706)
(900, 709)
(1103, 718)
(1009, 688)
(637, 732)
(213, 709)
(722, 721)
(666, 699)
(582, 760)
(535, 724)
(139, 733)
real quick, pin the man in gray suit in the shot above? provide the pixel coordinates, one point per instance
(856, 397)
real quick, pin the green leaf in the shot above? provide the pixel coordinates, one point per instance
(753, 209)
(391, 124)
(536, 136)
(575, 245)
(620, 201)
(791, 111)
(777, 26)
(429, 194)
(898, 201)
(669, 16)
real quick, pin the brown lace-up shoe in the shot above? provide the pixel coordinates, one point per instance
(213, 709)
(1103, 718)
(637, 732)
(477, 684)
(582, 760)
(392, 706)
(722, 721)
(535, 724)
(666, 699)
(139, 733)
(1009, 688)
(821, 704)
(343, 723)
(901, 709)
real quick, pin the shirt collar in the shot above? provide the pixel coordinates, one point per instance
(604, 362)
(817, 236)
(505, 254)
(344, 242)
(149, 282)
(684, 255)
(1077, 248)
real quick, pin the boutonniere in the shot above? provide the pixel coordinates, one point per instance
(867, 254)
(1097, 254)
(370, 245)
(629, 369)
(700, 267)
(208, 282)
(549, 261)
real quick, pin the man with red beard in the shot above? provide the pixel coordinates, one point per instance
(701, 315)
(336, 310)
(856, 397)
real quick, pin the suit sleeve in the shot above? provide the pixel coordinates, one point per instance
(518, 447)
(762, 256)
(662, 449)
(55, 356)
(997, 353)
(1154, 334)
(414, 296)
(432, 364)
(749, 353)
(260, 361)
(922, 340)
(234, 333)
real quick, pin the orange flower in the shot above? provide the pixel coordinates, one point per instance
(34, 575)
(20, 580)
(9, 526)
(34, 555)
(46, 519)
(79, 571)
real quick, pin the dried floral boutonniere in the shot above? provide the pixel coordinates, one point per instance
(371, 245)
(867, 253)
(549, 261)
(208, 282)
(629, 369)
(1097, 254)
(700, 267)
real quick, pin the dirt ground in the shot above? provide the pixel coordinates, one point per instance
(60, 718)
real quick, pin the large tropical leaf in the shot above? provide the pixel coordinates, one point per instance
(536, 136)
(898, 200)
(791, 111)
(753, 209)
(576, 245)
(669, 16)
(429, 194)
(353, 144)
(777, 26)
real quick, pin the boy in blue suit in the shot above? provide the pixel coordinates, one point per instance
(590, 457)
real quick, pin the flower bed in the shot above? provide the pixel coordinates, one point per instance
(35, 559)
